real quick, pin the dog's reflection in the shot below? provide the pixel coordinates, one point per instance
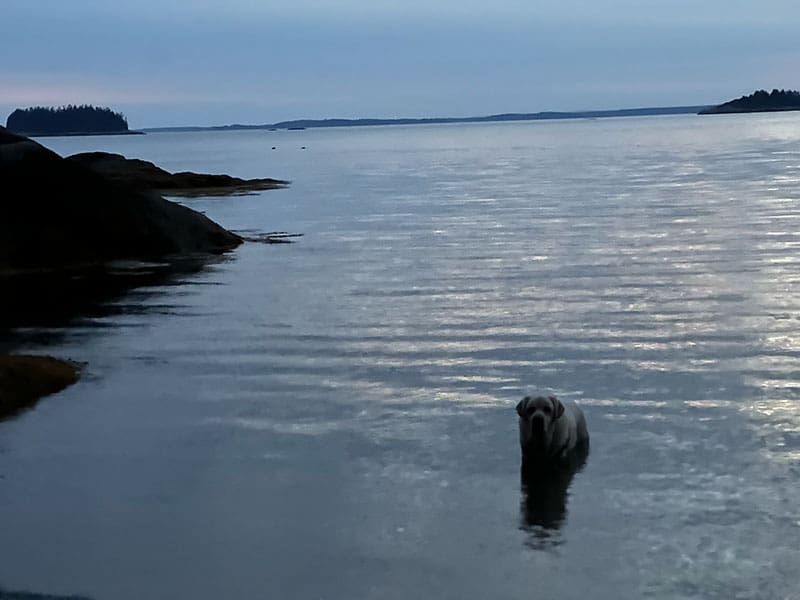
(544, 492)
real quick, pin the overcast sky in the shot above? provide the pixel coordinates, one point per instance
(203, 62)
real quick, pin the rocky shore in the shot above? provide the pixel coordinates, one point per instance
(57, 212)
(144, 175)
(64, 220)
(26, 378)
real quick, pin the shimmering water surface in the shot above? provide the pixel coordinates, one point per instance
(335, 418)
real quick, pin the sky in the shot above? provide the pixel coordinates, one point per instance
(204, 62)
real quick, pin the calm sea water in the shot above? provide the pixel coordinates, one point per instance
(335, 418)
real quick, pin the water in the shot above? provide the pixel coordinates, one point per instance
(335, 418)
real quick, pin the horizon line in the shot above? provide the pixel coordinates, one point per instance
(311, 123)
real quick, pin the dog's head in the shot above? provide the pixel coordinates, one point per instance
(537, 418)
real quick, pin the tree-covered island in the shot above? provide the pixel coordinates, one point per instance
(66, 120)
(760, 101)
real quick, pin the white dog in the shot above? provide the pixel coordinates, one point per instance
(550, 430)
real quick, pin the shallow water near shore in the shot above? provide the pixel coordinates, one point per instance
(334, 418)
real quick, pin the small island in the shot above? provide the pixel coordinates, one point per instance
(760, 101)
(67, 120)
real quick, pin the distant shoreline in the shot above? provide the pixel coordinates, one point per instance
(82, 133)
(499, 118)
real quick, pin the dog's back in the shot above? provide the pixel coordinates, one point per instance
(581, 429)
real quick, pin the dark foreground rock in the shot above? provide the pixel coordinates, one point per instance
(25, 379)
(147, 176)
(56, 212)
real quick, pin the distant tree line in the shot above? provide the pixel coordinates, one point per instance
(761, 100)
(66, 119)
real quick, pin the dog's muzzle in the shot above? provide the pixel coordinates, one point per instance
(537, 425)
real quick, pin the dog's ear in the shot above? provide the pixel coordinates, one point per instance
(522, 404)
(558, 408)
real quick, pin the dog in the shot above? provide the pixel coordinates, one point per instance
(550, 431)
(554, 441)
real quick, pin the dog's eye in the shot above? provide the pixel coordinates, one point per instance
(531, 410)
(546, 410)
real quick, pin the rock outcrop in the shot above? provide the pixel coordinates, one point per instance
(145, 175)
(26, 378)
(57, 212)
